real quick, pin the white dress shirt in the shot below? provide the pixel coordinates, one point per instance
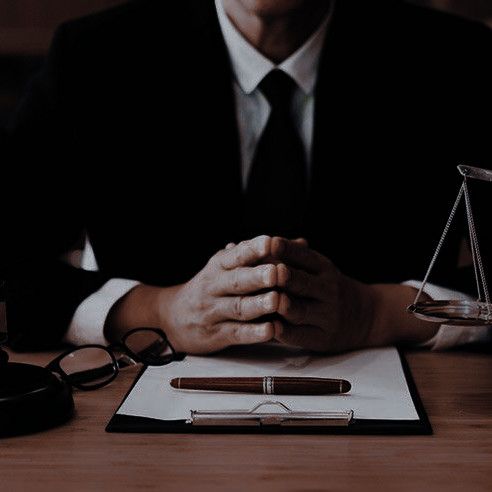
(250, 67)
(252, 113)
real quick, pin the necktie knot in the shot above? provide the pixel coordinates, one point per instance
(278, 88)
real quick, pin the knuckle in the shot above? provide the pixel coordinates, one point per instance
(238, 257)
(207, 285)
(238, 307)
(263, 245)
(236, 282)
(201, 305)
(264, 332)
(270, 302)
(219, 255)
(216, 261)
(284, 305)
(284, 275)
(208, 317)
(278, 328)
(251, 251)
(195, 295)
(206, 333)
(242, 246)
(268, 274)
(235, 335)
(294, 312)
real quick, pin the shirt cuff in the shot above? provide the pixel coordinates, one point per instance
(87, 325)
(449, 336)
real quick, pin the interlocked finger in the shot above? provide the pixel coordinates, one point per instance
(245, 280)
(297, 311)
(245, 308)
(297, 254)
(299, 283)
(234, 333)
(246, 253)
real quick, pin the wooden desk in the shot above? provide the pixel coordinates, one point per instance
(456, 389)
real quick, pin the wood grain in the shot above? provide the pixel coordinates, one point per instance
(456, 389)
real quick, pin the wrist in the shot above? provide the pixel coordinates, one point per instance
(379, 333)
(163, 306)
(367, 307)
(392, 324)
(359, 312)
(138, 308)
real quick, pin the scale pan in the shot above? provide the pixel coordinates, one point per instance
(453, 312)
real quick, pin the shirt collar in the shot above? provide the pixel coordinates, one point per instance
(250, 66)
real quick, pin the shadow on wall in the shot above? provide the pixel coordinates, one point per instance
(26, 28)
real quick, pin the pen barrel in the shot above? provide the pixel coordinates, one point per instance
(238, 385)
(269, 385)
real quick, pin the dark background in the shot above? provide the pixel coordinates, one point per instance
(26, 28)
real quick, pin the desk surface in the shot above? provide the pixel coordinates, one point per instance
(456, 389)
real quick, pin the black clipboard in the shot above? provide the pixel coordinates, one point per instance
(256, 422)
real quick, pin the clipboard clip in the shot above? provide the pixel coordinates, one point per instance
(257, 416)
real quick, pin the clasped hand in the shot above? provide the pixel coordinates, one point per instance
(265, 289)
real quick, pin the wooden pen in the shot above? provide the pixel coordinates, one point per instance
(268, 385)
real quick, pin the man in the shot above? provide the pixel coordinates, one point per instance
(317, 140)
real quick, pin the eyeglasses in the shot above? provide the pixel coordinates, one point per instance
(90, 367)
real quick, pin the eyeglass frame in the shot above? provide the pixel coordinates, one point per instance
(54, 365)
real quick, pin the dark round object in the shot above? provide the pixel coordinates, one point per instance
(32, 399)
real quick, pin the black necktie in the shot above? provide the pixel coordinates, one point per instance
(275, 198)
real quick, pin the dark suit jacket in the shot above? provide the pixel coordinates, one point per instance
(129, 133)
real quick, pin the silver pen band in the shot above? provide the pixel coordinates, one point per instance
(268, 385)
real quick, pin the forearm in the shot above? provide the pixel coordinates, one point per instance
(391, 323)
(144, 306)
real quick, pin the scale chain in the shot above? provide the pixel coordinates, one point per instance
(477, 258)
(473, 241)
(441, 241)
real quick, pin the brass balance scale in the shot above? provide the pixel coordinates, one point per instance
(451, 312)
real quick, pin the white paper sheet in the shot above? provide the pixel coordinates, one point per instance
(379, 388)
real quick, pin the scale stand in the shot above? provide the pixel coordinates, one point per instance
(477, 312)
(32, 398)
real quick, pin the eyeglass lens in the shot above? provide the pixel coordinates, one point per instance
(88, 366)
(91, 367)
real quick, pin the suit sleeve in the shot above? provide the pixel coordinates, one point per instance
(44, 210)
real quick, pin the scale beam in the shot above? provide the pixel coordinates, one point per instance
(475, 173)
